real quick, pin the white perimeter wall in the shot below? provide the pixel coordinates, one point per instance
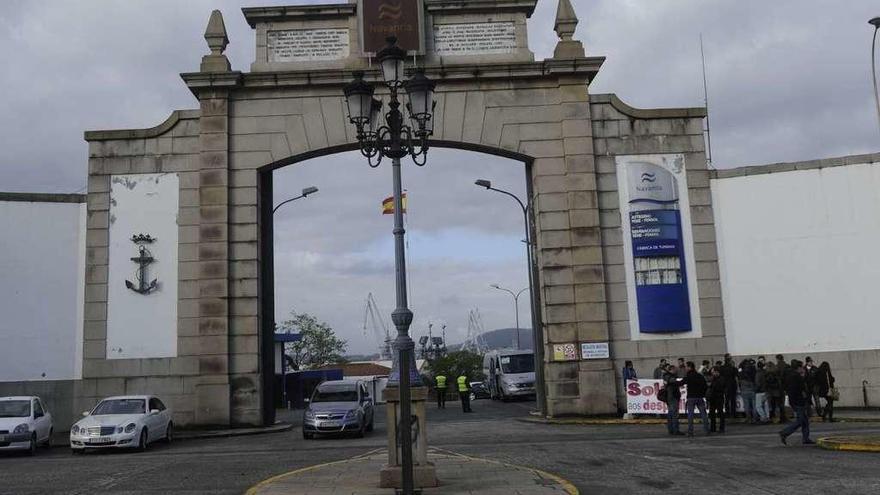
(142, 326)
(800, 259)
(42, 270)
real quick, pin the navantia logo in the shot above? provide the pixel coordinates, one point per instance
(648, 177)
(390, 11)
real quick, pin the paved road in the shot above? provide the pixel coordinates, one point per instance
(598, 459)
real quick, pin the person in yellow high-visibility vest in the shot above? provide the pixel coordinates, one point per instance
(464, 392)
(440, 388)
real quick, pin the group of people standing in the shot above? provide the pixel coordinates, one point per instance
(463, 386)
(762, 385)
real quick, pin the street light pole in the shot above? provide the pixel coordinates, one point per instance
(876, 23)
(515, 307)
(537, 331)
(396, 140)
(305, 192)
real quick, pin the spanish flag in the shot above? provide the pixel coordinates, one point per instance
(388, 204)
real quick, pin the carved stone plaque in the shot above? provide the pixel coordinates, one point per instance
(480, 38)
(308, 45)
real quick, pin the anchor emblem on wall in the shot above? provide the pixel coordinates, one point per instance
(143, 260)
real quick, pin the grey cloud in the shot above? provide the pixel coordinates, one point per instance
(789, 80)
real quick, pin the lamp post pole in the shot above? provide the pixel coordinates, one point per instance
(515, 307)
(396, 140)
(537, 331)
(876, 23)
(305, 192)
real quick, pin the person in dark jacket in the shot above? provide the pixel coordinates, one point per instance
(747, 389)
(629, 372)
(673, 397)
(812, 386)
(782, 369)
(696, 397)
(796, 388)
(728, 376)
(716, 399)
(761, 392)
(825, 385)
(773, 387)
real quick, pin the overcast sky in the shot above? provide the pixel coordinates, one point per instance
(788, 80)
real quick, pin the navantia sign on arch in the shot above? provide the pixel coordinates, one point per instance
(380, 19)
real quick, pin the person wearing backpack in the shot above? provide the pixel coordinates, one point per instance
(716, 400)
(672, 387)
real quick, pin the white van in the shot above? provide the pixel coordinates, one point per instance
(510, 373)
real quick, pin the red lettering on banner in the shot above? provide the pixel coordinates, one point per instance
(632, 388)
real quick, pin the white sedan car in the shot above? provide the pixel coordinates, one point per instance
(24, 424)
(132, 421)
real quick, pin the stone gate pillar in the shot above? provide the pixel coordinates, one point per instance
(213, 394)
(569, 248)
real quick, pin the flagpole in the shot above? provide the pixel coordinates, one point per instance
(407, 252)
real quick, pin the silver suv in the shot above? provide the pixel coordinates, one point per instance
(339, 406)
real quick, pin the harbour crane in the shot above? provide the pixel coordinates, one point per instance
(474, 341)
(379, 328)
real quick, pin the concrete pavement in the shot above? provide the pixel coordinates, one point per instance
(597, 459)
(458, 474)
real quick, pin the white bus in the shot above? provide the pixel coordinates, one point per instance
(510, 373)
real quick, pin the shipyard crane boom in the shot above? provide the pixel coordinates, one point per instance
(380, 330)
(474, 341)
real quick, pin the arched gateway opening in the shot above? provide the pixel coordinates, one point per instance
(512, 164)
(201, 336)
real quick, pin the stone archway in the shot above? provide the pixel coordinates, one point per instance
(248, 123)
(265, 181)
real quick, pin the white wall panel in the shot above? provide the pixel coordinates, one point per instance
(799, 259)
(42, 269)
(142, 326)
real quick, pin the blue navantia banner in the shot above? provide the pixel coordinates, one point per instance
(658, 251)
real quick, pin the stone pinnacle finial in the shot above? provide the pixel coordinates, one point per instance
(215, 33)
(215, 36)
(566, 23)
(566, 20)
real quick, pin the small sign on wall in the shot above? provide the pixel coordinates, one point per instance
(565, 352)
(478, 38)
(595, 350)
(308, 45)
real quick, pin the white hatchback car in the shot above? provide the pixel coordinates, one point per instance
(24, 424)
(132, 421)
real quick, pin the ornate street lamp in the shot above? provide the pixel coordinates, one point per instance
(396, 139)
